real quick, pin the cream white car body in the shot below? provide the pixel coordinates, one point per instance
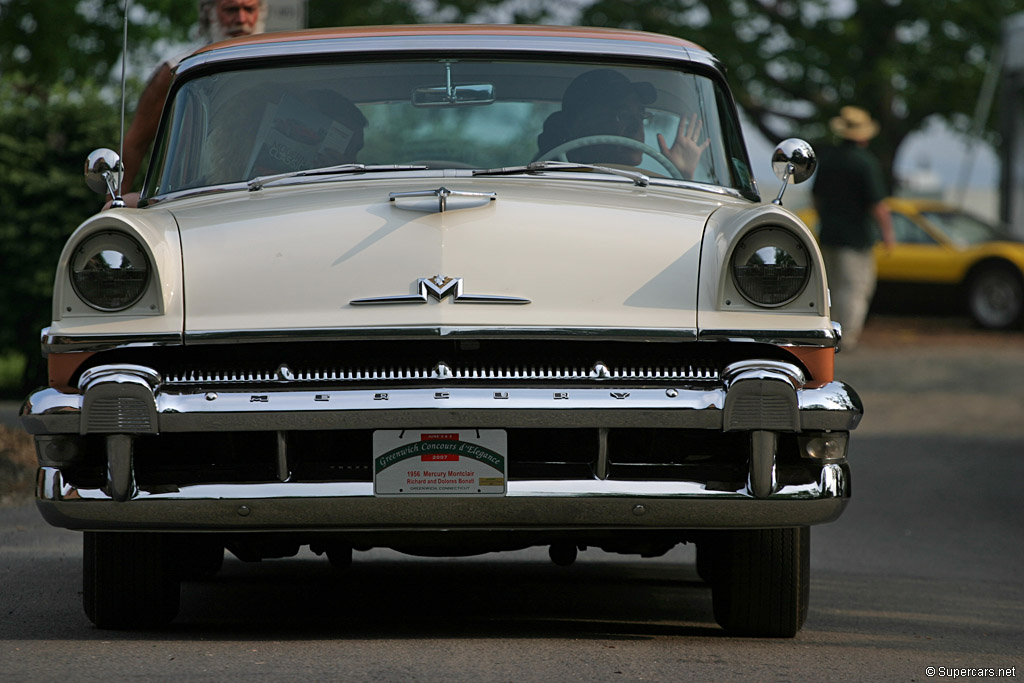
(547, 241)
(651, 358)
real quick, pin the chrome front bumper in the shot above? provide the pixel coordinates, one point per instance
(764, 398)
(528, 506)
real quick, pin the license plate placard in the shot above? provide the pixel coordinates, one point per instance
(440, 462)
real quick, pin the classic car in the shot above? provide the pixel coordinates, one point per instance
(463, 310)
(947, 260)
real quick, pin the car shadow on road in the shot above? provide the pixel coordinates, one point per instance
(411, 599)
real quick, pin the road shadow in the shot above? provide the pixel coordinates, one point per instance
(451, 598)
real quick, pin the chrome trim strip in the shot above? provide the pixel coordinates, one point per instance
(529, 505)
(811, 337)
(434, 331)
(833, 406)
(67, 343)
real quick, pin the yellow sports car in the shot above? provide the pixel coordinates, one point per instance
(946, 259)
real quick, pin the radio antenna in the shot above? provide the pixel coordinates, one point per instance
(119, 199)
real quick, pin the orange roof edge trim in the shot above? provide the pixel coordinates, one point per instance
(454, 30)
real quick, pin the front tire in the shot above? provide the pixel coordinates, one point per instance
(761, 581)
(995, 297)
(129, 580)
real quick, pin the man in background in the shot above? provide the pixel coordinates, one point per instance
(218, 20)
(848, 193)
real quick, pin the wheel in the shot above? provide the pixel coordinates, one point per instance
(198, 557)
(559, 152)
(995, 297)
(761, 581)
(129, 580)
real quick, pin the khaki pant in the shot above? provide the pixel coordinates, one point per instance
(851, 281)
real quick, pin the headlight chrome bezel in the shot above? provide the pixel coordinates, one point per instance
(770, 245)
(118, 256)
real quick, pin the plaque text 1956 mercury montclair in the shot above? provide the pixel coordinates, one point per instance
(446, 290)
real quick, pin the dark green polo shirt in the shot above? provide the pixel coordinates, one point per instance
(847, 184)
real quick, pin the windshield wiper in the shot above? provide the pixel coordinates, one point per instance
(638, 178)
(260, 182)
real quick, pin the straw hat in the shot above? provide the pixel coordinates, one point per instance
(853, 123)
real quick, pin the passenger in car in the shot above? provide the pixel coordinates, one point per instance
(268, 130)
(606, 102)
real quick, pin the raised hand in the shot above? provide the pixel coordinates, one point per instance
(686, 151)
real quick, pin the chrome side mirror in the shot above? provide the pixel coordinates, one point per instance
(793, 159)
(103, 173)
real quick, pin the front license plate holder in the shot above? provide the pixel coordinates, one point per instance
(440, 462)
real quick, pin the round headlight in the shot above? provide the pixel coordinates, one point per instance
(109, 271)
(770, 267)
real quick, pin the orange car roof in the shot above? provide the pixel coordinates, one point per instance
(454, 30)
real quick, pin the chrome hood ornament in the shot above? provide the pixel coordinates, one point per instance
(439, 287)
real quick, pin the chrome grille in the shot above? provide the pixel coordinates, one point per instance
(442, 371)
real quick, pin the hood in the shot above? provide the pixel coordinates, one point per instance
(584, 253)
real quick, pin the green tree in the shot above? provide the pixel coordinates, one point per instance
(44, 140)
(69, 41)
(322, 13)
(794, 63)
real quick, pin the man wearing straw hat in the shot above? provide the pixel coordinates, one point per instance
(848, 193)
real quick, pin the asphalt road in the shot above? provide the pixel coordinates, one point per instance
(923, 570)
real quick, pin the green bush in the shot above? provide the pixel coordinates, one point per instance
(46, 133)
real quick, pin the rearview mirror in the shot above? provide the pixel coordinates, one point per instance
(453, 95)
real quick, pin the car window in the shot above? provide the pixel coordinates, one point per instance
(907, 231)
(233, 126)
(963, 229)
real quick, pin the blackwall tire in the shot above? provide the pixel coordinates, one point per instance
(761, 581)
(129, 580)
(995, 297)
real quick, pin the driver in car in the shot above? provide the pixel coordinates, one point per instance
(605, 102)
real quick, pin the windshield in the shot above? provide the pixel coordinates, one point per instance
(964, 229)
(234, 126)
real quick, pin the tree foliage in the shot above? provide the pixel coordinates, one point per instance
(70, 41)
(44, 140)
(794, 63)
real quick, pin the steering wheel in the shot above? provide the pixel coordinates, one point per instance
(559, 153)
